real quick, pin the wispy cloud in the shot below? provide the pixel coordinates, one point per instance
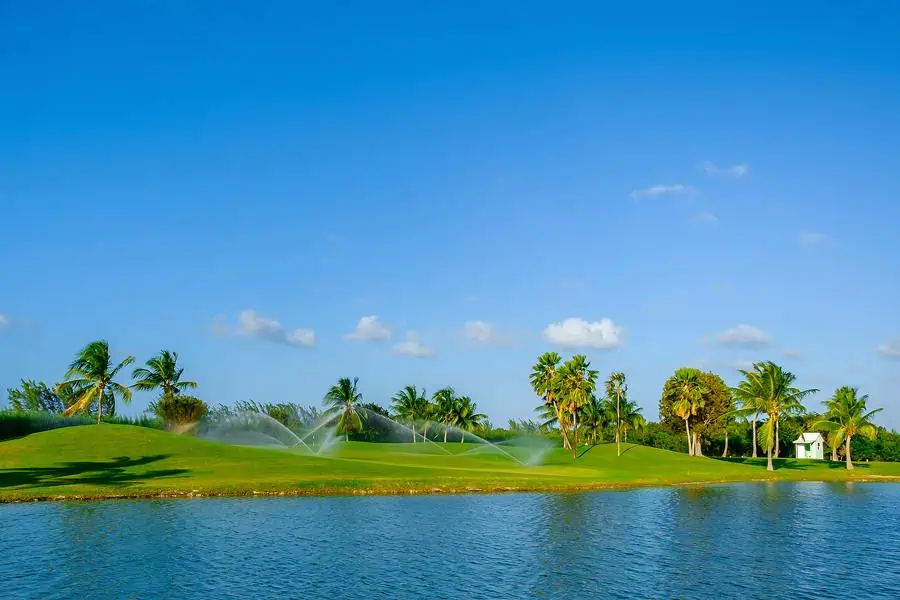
(657, 190)
(791, 353)
(484, 333)
(711, 168)
(890, 349)
(578, 333)
(706, 217)
(4, 321)
(811, 238)
(252, 324)
(370, 329)
(413, 346)
(744, 336)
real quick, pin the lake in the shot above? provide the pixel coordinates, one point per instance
(802, 540)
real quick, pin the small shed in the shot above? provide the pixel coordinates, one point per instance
(810, 445)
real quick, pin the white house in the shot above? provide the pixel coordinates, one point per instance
(809, 445)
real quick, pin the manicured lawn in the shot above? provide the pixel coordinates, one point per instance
(124, 461)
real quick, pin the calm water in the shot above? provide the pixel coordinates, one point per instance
(810, 540)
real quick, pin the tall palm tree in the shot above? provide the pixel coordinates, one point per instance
(616, 388)
(577, 382)
(443, 401)
(545, 382)
(162, 373)
(411, 406)
(343, 399)
(848, 418)
(91, 377)
(466, 416)
(770, 388)
(689, 392)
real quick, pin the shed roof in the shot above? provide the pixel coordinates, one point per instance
(808, 438)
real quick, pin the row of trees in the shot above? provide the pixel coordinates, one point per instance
(571, 403)
(410, 405)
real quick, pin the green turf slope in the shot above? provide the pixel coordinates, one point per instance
(106, 461)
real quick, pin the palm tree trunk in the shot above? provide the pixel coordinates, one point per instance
(769, 466)
(100, 405)
(425, 431)
(754, 437)
(562, 427)
(413, 429)
(463, 437)
(834, 455)
(687, 428)
(575, 432)
(618, 426)
(847, 450)
(777, 436)
(445, 433)
(725, 452)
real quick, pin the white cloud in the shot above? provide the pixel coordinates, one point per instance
(791, 353)
(483, 333)
(706, 217)
(370, 329)
(745, 336)
(711, 168)
(811, 238)
(252, 324)
(3, 321)
(656, 190)
(891, 348)
(578, 333)
(742, 364)
(413, 346)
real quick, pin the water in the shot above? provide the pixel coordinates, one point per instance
(809, 540)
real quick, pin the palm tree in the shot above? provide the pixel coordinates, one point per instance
(343, 399)
(632, 418)
(770, 389)
(594, 417)
(466, 416)
(848, 418)
(616, 388)
(443, 401)
(749, 406)
(577, 382)
(91, 377)
(689, 393)
(410, 406)
(162, 373)
(544, 380)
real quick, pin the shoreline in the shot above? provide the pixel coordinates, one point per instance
(337, 492)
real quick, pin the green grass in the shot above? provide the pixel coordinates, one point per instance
(110, 461)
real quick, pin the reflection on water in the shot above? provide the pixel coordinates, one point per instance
(809, 540)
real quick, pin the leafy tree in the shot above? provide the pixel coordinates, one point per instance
(342, 400)
(162, 373)
(683, 397)
(444, 402)
(91, 378)
(849, 417)
(577, 382)
(631, 418)
(410, 406)
(616, 390)
(466, 416)
(545, 382)
(35, 396)
(595, 416)
(716, 409)
(770, 388)
(178, 409)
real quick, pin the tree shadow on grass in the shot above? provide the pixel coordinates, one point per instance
(112, 472)
(788, 463)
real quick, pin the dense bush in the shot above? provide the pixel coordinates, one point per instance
(16, 423)
(178, 409)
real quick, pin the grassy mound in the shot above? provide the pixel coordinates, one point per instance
(105, 461)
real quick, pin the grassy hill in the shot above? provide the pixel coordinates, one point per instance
(108, 461)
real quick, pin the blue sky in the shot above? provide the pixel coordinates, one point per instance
(657, 185)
